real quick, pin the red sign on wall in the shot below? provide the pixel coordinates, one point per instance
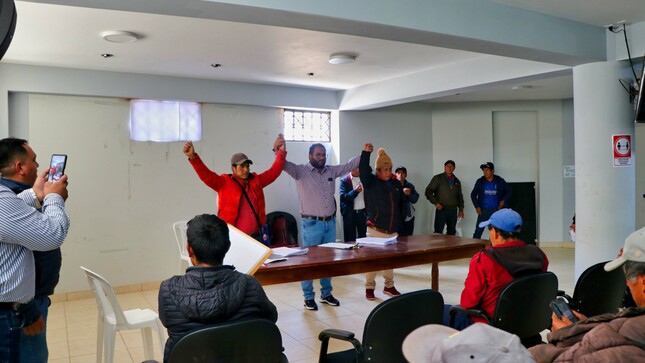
(622, 145)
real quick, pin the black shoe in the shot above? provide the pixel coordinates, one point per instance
(311, 304)
(331, 300)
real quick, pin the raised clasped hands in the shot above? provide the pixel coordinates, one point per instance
(280, 143)
(368, 147)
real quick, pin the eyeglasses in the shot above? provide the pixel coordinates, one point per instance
(318, 156)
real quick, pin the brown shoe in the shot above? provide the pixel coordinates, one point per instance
(369, 294)
(391, 291)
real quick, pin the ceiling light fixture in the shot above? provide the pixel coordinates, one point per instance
(342, 58)
(119, 36)
(107, 55)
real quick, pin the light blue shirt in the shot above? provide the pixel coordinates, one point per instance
(22, 230)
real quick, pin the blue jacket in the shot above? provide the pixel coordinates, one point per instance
(503, 191)
(347, 195)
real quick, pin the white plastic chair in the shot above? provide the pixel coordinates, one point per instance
(112, 319)
(180, 235)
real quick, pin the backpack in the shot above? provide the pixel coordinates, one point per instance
(283, 231)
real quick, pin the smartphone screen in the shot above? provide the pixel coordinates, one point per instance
(57, 167)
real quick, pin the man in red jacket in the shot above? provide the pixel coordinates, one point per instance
(232, 206)
(494, 267)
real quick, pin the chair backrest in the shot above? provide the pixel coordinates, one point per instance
(392, 320)
(255, 340)
(108, 304)
(180, 236)
(598, 291)
(523, 305)
(283, 229)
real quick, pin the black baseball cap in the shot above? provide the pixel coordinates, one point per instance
(488, 165)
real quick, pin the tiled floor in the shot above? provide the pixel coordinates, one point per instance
(72, 324)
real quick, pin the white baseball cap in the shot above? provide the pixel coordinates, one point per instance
(478, 343)
(634, 250)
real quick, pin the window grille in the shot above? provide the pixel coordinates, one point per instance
(302, 125)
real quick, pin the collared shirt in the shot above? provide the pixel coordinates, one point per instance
(316, 188)
(359, 201)
(23, 229)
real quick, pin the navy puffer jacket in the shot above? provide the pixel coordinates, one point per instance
(210, 295)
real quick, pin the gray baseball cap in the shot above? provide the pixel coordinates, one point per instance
(239, 159)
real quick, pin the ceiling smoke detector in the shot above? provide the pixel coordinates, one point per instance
(119, 36)
(342, 58)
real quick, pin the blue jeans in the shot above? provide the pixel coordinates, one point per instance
(33, 349)
(10, 332)
(462, 320)
(315, 233)
(486, 213)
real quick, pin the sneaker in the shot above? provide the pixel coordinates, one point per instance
(391, 291)
(369, 294)
(311, 304)
(331, 300)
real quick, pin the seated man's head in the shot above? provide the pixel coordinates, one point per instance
(632, 261)
(208, 240)
(503, 225)
(18, 161)
(383, 165)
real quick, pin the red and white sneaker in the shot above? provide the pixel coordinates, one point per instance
(369, 294)
(391, 291)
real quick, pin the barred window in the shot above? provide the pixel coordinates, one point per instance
(302, 125)
(165, 121)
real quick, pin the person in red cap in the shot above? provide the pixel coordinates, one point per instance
(246, 213)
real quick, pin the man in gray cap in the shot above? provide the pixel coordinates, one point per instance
(241, 199)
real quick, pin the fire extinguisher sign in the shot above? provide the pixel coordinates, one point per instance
(622, 146)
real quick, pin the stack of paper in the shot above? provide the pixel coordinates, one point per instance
(342, 246)
(281, 253)
(376, 241)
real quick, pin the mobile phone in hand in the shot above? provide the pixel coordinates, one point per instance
(57, 167)
(561, 308)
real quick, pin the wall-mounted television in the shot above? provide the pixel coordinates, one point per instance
(640, 101)
(8, 17)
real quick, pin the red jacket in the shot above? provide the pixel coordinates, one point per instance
(485, 281)
(230, 193)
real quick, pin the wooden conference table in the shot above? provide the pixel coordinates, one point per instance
(409, 251)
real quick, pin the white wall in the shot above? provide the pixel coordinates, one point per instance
(464, 134)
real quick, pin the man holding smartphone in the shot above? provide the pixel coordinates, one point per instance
(33, 218)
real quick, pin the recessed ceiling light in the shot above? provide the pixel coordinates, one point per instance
(216, 65)
(107, 55)
(342, 58)
(119, 36)
(310, 74)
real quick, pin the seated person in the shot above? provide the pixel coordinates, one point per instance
(494, 267)
(608, 337)
(210, 292)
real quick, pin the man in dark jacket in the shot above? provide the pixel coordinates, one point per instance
(444, 192)
(489, 195)
(210, 292)
(384, 201)
(352, 207)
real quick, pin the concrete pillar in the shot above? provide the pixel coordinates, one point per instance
(605, 195)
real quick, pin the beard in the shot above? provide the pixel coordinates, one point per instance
(318, 164)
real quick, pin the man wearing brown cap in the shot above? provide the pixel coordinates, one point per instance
(245, 212)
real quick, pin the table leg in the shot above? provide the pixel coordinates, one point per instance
(435, 276)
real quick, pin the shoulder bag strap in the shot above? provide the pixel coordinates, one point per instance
(248, 200)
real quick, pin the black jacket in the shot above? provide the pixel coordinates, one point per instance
(210, 295)
(384, 200)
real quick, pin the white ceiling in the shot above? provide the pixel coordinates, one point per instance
(69, 36)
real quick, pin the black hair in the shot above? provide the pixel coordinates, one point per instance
(11, 150)
(449, 162)
(314, 146)
(504, 234)
(208, 237)
(401, 168)
(633, 269)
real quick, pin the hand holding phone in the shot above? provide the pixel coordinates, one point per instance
(561, 308)
(57, 167)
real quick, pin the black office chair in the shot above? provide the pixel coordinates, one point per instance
(385, 328)
(283, 229)
(597, 291)
(522, 307)
(255, 340)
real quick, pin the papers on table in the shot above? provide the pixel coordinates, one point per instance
(286, 251)
(376, 241)
(342, 246)
(281, 254)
